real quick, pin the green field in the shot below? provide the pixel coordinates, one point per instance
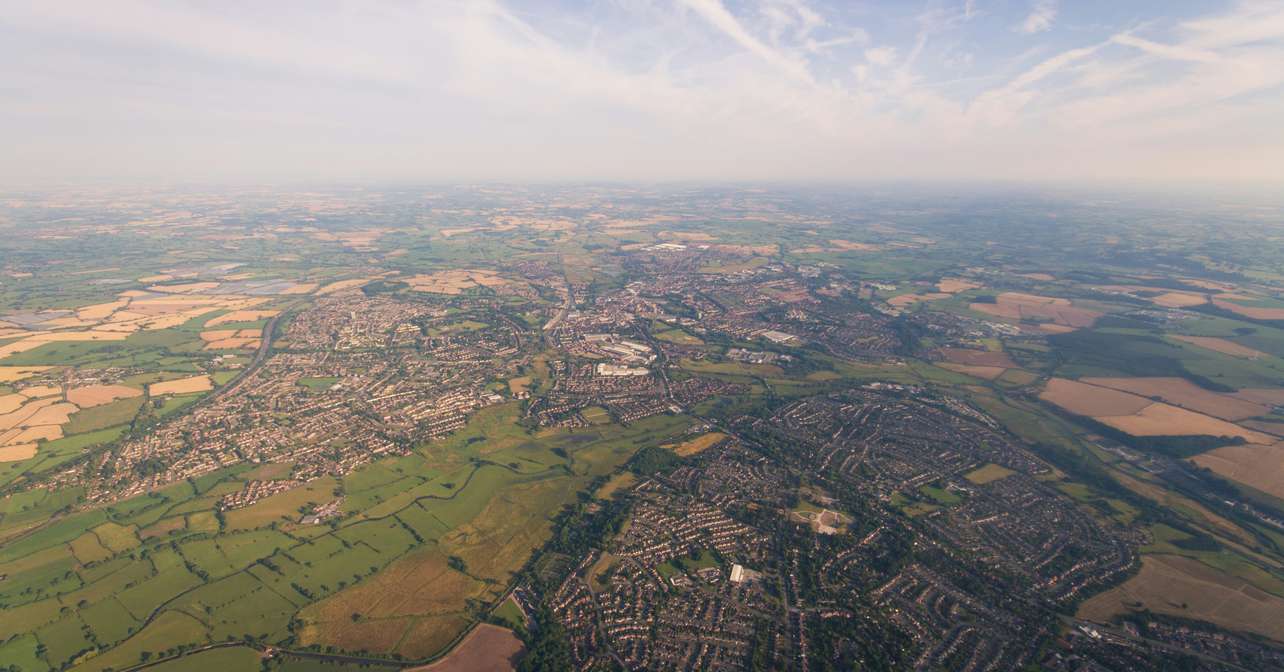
(431, 534)
(485, 495)
(318, 384)
(115, 413)
(940, 495)
(988, 474)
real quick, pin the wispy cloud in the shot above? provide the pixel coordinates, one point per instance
(721, 18)
(1040, 18)
(1174, 52)
(881, 55)
(669, 89)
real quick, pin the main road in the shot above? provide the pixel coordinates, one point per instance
(561, 314)
(265, 347)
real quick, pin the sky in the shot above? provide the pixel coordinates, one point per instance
(132, 91)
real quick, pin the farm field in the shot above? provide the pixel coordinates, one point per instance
(491, 522)
(1164, 420)
(364, 426)
(698, 444)
(1183, 393)
(1090, 400)
(182, 386)
(1259, 466)
(1183, 587)
(1059, 313)
(454, 282)
(1222, 345)
(486, 649)
(1104, 400)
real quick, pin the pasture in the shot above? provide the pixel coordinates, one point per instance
(988, 474)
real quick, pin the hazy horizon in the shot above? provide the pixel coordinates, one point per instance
(699, 91)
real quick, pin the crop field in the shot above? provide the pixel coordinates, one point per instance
(454, 282)
(1274, 397)
(182, 386)
(17, 452)
(1142, 416)
(1164, 420)
(1183, 587)
(904, 300)
(13, 374)
(1258, 466)
(1091, 400)
(1021, 307)
(1240, 307)
(955, 285)
(431, 404)
(1117, 353)
(1222, 345)
(1183, 393)
(97, 395)
(241, 316)
(698, 444)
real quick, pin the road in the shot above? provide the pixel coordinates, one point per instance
(295, 653)
(566, 308)
(1123, 634)
(661, 363)
(265, 347)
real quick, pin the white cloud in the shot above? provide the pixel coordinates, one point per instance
(645, 89)
(881, 55)
(1040, 18)
(721, 18)
(856, 36)
(1178, 53)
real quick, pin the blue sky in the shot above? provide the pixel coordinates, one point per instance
(458, 90)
